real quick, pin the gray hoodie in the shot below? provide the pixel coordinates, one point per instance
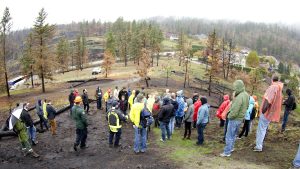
(188, 117)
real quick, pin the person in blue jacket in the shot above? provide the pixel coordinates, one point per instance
(202, 120)
(180, 111)
(246, 126)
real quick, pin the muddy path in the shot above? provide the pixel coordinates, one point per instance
(56, 151)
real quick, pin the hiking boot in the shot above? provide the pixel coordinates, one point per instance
(233, 150)
(117, 145)
(34, 143)
(257, 150)
(110, 145)
(225, 155)
(34, 154)
(84, 147)
(162, 140)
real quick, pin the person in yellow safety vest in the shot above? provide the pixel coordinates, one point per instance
(45, 109)
(131, 99)
(106, 97)
(114, 118)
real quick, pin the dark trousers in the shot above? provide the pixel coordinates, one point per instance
(81, 135)
(156, 121)
(106, 107)
(86, 107)
(43, 122)
(178, 121)
(285, 118)
(187, 128)
(117, 139)
(225, 128)
(99, 103)
(222, 123)
(71, 105)
(246, 128)
(200, 130)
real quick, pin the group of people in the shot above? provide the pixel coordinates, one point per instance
(169, 111)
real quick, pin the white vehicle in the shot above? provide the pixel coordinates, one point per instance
(14, 83)
(96, 71)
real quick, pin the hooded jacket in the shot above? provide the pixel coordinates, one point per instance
(79, 116)
(188, 117)
(222, 107)
(250, 108)
(289, 102)
(131, 98)
(39, 108)
(181, 104)
(203, 113)
(240, 103)
(166, 110)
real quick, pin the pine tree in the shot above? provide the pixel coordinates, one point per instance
(181, 46)
(63, 52)
(110, 43)
(145, 64)
(4, 30)
(80, 52)
(108, 61)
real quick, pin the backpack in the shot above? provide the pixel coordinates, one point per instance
(146, 119)
(294, 106)
(253, 113)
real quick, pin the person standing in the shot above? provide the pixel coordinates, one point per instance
(296, 162)
(235, 117)
(98, 96)
(40, 113)
(131, 99)
(180, 110)
(270, 111)
(246, 127)
(106, 97)
(80, 118)
(140, 133)
(71, 99)
(21, 131)
(85, 100)
(289, 106)
(123, 105)
(197, 106)
(188, 118)
(155, 110)
(51, 116)
(175, 107)
(164, 118)
(202, 120)
(26, 118)
(116, 93)
(124, 93)
(114, 122)
(221, 109)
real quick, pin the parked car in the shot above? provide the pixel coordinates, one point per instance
(96, 71)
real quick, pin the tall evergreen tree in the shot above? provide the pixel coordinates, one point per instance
(63, 52)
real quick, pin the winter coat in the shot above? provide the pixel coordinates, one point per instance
(289, 102)
(226, 111)
(250, 108)
(135, 113)
(203, 114)
(98, 93)
(106, 96)
(85, 98)
(188, 117)
(150, 103)
(51, 112)
(71, 97)
(165, 112)
(123, 93)
(181, 106)
(175, 107)
(123, 105)
(155, 109)
(240, 103)
(130, 99)
(79, 116)
(197, 105)
(39, 108)
(222, 107)
(26, 118)
(113, 120)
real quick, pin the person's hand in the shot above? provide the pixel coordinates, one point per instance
(126, 117)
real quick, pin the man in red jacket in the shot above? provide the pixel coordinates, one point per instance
(197, 105)
(221, 109)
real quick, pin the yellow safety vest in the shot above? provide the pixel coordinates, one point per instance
(114, 128)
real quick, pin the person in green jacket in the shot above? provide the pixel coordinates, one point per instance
(21, 130)
(235, 117)
(80, 118)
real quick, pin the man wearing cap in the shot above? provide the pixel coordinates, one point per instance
(80, 118)
(115, 117)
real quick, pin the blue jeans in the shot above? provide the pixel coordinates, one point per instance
(140, 139)
(31, 133)
(225, 128)
(200, 129)
(172, 125)
(164, 127)
(263, 125)
(285, 118)
(118, 136)
(296, 161)
(232, 128)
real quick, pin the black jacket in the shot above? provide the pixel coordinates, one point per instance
(123, 105)
(289, 102)
(165, 113)
(175, 107)
(112, 120)
(71, 98)
(26, 118)
(51, 112)
(85, 98)
(123, 93)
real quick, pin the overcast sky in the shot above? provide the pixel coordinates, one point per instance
(24, 12)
